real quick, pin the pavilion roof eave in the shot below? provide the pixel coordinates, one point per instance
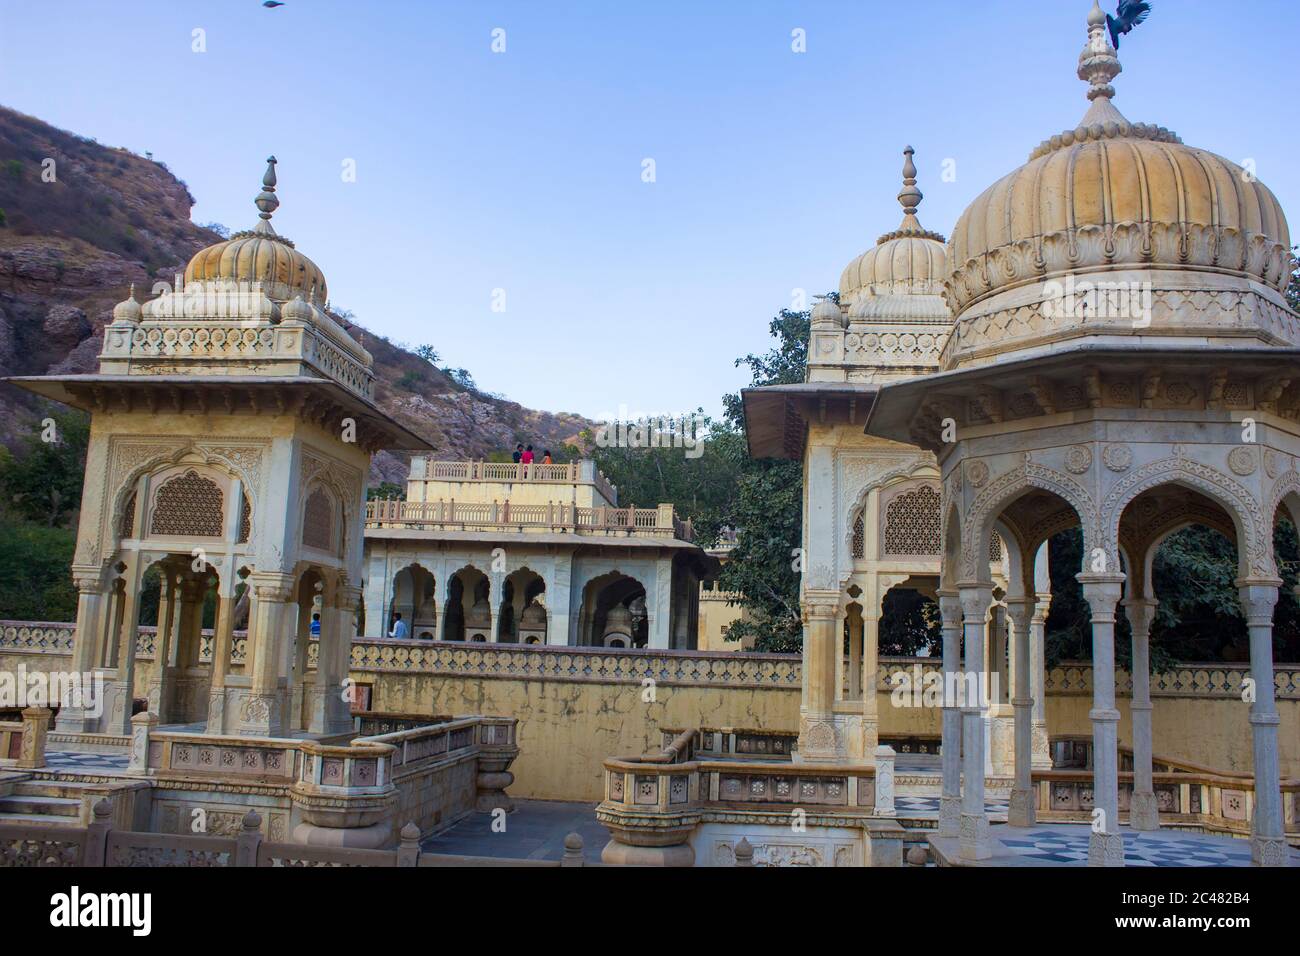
(75, 390)
(776, 416)
(891, 413)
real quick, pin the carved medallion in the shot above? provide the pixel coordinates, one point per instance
(977, 473)
(1180, 393)
(1117, 457)
(1243, 461)
(1078, 459)
(1274, 464)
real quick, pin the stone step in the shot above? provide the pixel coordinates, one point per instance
(51, 788)
(18, 804)
(36, 820)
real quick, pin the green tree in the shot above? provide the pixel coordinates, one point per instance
(34, 581)
(767, 504)
(42, 482)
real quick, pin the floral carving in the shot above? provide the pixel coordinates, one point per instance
(1078, 459)
(1243, 461)
(1117, 458)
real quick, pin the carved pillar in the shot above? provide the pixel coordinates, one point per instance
(338, 710)
(950, 747)
(1041, 747)
(817, 738)
(870, 702)
(1143, 813)
(1268, 845)
(161, 686)
(223, 640)
(261, 711)
(92, 598)
(1020, 811)
(974, 838)
(119, 721)
(1106, 846)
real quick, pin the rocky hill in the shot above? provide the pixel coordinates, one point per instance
(76, 233)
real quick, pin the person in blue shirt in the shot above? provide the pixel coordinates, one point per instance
(315, 625)
(399, 626)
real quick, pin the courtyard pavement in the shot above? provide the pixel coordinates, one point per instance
(534, 831)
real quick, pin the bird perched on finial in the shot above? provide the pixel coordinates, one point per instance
(1130, 14)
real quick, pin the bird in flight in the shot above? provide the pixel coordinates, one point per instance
(272, 4)
(1130, 14)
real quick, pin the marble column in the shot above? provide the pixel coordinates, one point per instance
(974, 838)
(869, 679)
(950, 747)
(818, 740)
(223, 642)
(1020, 811)
(83, 716)
(119, 722)
(1143, 813)
(1268, 845)
(261, 712)
(160, 687)
(1106, 846)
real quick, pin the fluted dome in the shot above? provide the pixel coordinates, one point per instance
(908, 261)
(262, 255)
(1112, 194)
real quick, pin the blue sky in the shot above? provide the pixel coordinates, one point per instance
(522, 170)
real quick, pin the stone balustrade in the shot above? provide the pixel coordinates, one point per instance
(738, 742)
(579, 664)
(654, 803)
(569, 473)
(340, 793)
(1213, 802)
(559, 517)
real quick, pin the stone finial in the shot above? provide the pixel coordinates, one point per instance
(410, 833)
(1098, 66)
(910, 196)
(252, 821)
(266, 201)
(103, 808)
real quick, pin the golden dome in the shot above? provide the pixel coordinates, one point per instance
(908, 261)
(262, 255)
(1112, 194)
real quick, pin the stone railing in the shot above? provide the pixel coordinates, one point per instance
(600, 665)
(582, 472)
(1221, 681)
(100, 845)
(196, 344)
(654, 803)
(1214, 802)
(730, 597)
(1185, 680)
(737, 742)
(431, 774)
(441, 514)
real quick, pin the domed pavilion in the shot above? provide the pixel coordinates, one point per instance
(232, 425)
(1123, 360)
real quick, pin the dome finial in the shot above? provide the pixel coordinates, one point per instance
(1098, 66)
(266, 201)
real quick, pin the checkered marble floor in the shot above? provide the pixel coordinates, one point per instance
(85, 763)
(1068, 845)
(929, 807)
